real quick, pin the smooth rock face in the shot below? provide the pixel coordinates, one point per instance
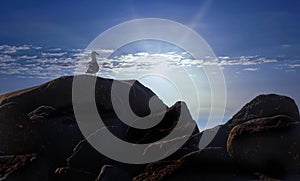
(267, 144)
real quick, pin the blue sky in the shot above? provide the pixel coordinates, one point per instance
(230, 27)
(257, 42)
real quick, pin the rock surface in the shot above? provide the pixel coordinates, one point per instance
(112, 173)
(41, 120)
(269, 144)
(266, 106)
(12, 163)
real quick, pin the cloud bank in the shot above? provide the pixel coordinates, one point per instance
(28, 61)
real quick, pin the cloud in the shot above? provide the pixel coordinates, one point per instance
(42, 62)
(106, 51)
(250, 69)
(294, 65)
(286, 45)
(48, 54)
(27, 57)
(6, 49)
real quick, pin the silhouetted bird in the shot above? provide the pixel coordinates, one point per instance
(92, 66)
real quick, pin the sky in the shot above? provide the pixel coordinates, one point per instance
(256, 42)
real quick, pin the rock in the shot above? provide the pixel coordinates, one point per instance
(165, 127)
(206, 164)
(266, 106)
(12, 163)
(86, 157)
(41, 120)
(58, 133)
(44, 101)
(214, 137)
(261, 106)
(23, 167)
(112, 173)
(16, 131)
(270, 145)
(42, 112)
(67, 173)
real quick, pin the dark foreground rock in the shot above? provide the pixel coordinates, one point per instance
(269, 145)
(13, 163)
(111, 173)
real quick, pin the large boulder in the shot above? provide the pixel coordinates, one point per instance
(270, 145)
(266, 106)
(261, 106)
(43, 115)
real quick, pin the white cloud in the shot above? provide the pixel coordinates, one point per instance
(7, 49)
(27, 57)
(55, 62)
(294, 65)
(48, 54)
(106, 51)
(250, 69)
(286, 45)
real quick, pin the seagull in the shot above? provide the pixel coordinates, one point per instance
(92, 66)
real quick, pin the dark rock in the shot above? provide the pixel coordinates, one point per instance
(165, 127)
(270, 145)
(42, 112)
(11, 163)
(16, 131)
(86, 157)
(23, 167)
(41, 120)
(214, 137)
(206, 164)
(112, 173)
(266, 106)
(261, 106)
(67, 173)
(58, 133)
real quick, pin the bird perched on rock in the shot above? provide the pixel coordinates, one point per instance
(92, 66)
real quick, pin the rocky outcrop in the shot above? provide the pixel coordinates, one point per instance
(41, 120)
(40, 135)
